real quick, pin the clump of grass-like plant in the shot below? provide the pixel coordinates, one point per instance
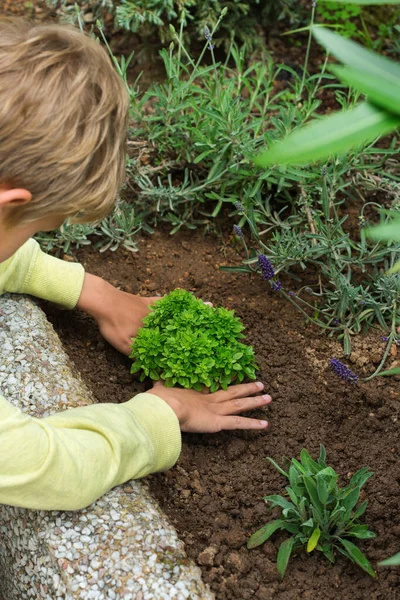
(186, 342)
(319, 514)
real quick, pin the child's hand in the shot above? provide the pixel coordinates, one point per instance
(210, 413)
(118, 314)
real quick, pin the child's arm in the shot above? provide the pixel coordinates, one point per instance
(31, 271)
(118, 314)
(68, 460)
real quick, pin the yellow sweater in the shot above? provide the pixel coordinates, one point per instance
(67, 460)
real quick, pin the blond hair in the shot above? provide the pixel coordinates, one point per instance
(63, 121)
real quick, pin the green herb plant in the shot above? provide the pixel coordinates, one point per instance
(319, 514)
(188, 343)
(150, 19)
(119, 229)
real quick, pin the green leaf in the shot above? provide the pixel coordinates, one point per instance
(308, 462)
(322, 456)
(360, 477)
(365, 2)
(380, 91)
(356, 56)
(357, 556)
(326, 482)
(284, 553)
(386, 232)
(360, 531)
(391, 562)
(279, 501)
(277, 467)
(360, 510)
(313, 541)
(331, 135)
(263, 534)
(351, 499)
(390, 372)
(312, 492)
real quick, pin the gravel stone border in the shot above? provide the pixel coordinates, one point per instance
(121, 547)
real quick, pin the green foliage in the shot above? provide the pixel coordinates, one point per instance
(378, 116)
(189, 343)
(393, 561)
(318, 513)
(149, 17)
(377, 77)
(342, 15)
(314, 239)
(117, 229)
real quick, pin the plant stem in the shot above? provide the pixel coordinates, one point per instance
(307, 53)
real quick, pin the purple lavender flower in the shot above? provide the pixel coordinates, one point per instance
(292, 294)
(238, 231)
(314, 4)
(342, 371)
(385, 338)
(362, 302)
(208, 36)
(336, 321)
(267, 269)
(239, 206)
(276, 286)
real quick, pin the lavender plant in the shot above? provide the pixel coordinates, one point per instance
(319, 514)
(120, 228)
(188, 343)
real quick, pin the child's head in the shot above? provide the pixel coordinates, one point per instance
(63, 122)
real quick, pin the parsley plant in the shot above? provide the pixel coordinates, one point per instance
(189, 343)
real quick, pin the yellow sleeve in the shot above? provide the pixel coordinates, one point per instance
(68, 460)
(31, 271)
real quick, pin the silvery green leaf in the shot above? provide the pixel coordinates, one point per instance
(263, 534)
(284, 553)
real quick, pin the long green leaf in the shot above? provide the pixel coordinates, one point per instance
(382, 91)
(360, 510)
(279, 501)
(386, 231)
(277, 467)
(357, 56)
(351, 499)
(361, 531)
(285, 550)
(390, 372)
(313, 541)
(330, 135)
(357, 556)
(312, 492)
(263, 534)
(393, 561)
(366, 2)
(308, 462)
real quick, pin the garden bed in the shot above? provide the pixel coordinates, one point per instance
(214, 494)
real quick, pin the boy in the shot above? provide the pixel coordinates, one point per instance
(63, 123)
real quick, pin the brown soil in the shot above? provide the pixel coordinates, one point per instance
(214, 494)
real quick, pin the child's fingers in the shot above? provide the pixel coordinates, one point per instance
(230, 423)
(234, 407)
(238, 391)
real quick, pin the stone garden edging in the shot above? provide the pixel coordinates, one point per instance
(122, 546)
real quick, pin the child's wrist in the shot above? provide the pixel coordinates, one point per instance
(93, 298)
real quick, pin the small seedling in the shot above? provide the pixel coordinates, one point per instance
(186, 342)
(320, 515)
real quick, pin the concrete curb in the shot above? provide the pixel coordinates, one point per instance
(121, 547)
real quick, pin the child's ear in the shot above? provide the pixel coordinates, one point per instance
(14, 197)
